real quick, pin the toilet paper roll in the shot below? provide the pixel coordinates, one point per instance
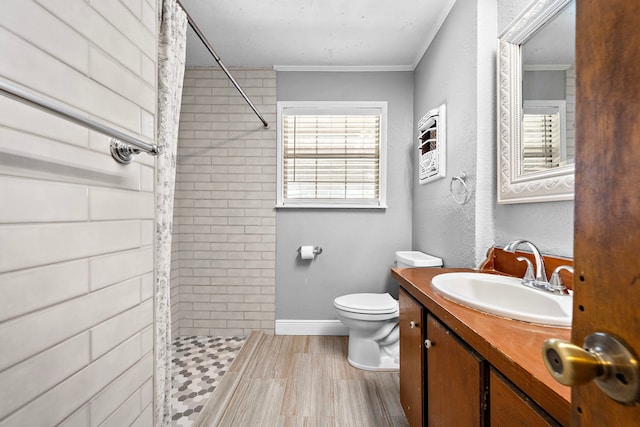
(306, 252)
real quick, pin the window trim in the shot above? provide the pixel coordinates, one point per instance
(338, 107)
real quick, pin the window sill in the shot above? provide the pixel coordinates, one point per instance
(329, 206)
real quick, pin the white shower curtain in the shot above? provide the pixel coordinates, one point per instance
(171, 60)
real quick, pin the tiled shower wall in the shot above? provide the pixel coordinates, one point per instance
(224, 218)
(76, 228)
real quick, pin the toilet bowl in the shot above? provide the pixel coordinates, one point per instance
(372, 321)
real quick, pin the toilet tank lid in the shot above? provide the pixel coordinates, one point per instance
(418, 259)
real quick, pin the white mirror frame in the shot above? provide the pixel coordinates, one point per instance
(545, 186)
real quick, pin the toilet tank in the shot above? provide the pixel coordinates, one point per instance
(416, 259)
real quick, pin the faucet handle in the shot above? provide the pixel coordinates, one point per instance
(529, 276)
(555, 283)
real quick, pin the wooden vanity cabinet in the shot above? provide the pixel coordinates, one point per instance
(456, 380)
(510, 407)
(445, 382)
(411, 359)
(453, 376)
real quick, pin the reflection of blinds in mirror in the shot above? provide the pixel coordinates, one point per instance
(540, 142)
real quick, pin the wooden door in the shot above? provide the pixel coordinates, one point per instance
(607, 199)
(411, 359)
(456, 381)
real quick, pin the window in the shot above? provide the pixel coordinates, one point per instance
(332, 154)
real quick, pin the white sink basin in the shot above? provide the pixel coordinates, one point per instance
(506, 297)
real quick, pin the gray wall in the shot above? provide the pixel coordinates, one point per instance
(549, 225)
(359, 245)
(544, 84)
(457, 69)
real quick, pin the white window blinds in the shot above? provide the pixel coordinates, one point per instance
(331, 157)
(541, 143)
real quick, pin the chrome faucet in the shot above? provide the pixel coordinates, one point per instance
(539, 280)
(541, 275)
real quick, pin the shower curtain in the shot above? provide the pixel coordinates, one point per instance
(171, 61)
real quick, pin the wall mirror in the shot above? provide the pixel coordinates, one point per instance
(536, 104)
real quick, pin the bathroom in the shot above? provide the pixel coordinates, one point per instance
(77, 229)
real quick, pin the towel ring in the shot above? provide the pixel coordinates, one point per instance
(461, 179)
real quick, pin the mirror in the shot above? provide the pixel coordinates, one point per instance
(536, 104)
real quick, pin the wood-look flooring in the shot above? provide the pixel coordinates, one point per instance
(296, 381)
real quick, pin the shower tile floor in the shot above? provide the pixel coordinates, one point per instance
(198, 366)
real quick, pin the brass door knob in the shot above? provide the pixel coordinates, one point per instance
(604, 359)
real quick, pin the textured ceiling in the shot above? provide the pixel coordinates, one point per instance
(376, 34)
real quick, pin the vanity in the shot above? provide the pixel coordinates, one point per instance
(463, 367)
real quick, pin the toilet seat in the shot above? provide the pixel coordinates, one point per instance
(366, 303)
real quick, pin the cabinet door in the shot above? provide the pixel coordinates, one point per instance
(411, 359)
(456, 380)
(510, 407)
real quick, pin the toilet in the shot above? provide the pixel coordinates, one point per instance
(372, 320)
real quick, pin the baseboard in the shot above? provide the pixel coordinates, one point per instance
(310, 327)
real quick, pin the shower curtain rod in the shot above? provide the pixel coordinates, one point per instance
(206, 43)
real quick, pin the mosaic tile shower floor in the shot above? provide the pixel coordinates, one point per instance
(198, 366)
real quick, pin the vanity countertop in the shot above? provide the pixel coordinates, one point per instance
(512, 347)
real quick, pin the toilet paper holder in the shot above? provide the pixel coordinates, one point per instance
(317, 250)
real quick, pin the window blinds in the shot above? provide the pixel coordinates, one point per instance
(541, 144)
(331, 157)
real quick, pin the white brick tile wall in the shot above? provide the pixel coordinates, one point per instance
(126, 414)
(25, 291)
(20, 195)
(31, 20)
(63, 399)
(87, 21)
(127, 23)
(76, 228)
(113, 331)
(113, 268)
(45, 74)
(27, 335)
(225, 217)
(28, 155)
(149, 17)
(79, 418)
(146, 286)
(39, 244)
(22, 117)
(114, 76)
(110, 204)
(50, 367)
(145, 419)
